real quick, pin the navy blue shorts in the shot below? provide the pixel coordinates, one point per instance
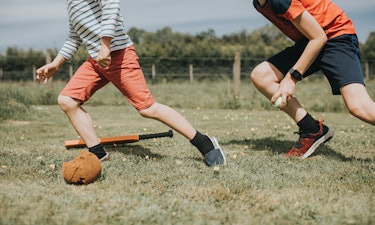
(339, 61)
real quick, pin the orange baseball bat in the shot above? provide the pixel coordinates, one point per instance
(119, 139)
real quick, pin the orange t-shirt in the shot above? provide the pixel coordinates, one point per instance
(331, 18)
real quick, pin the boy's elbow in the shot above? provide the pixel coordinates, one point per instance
(320, 40)
(323, 39)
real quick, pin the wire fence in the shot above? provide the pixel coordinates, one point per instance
(176, 69)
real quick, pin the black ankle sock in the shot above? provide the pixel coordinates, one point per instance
(202, 142)
(308, 124)
(98, 150)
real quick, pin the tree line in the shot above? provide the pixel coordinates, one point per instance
(171, 53)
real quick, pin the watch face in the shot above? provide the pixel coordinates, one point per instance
(296, 75)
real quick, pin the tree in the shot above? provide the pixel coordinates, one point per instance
(18, 64)
(368, 50)
(172, 52)
(368, 55)
(136, 35)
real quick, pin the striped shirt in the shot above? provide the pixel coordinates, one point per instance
(89, 21)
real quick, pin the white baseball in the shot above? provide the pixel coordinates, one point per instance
(278, 102)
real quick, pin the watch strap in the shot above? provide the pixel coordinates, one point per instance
(296, 74)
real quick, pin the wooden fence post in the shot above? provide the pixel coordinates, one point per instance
(153, 71)
(34, 73)
(237, 74)
(49, 60)
(70, 70)
(367, 70)
(191, 73)
(48, 56)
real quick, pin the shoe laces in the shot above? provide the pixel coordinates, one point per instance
(303, 135)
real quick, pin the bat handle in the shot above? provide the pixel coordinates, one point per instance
(156, 135)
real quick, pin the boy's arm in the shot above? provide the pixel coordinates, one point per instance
(71, 44)
(48, 70)
(66, 53)
(110, 20)
(311, 29)
(104, 56)
(110, 17)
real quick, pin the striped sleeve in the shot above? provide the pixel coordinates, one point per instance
(110, 17)
(71, 45)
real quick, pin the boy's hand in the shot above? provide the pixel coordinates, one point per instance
(104, 57)
(48, 70)
(286, 90)
(45, 72)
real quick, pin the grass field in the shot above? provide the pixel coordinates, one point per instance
(165, 181)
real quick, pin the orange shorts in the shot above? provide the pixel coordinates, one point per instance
(124, 72)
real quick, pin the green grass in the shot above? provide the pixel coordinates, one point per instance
(165, 181)
(314, 94)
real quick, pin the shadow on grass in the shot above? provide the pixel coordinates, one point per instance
(271, 144)
(132, 149)
(281, 147)
(138, 150)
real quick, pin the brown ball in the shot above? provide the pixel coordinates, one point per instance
(83, 169)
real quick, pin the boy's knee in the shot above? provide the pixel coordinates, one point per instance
(357, 110)
(66, 102)
(254, 75)
(148, 112)
(144, 113)
(259, 73)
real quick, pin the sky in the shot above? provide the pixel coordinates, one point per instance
(41, 24)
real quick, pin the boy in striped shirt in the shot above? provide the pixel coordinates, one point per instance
(98, 24)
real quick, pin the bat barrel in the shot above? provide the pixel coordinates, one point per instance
(119, 139)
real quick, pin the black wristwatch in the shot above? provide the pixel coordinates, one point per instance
(296, 74)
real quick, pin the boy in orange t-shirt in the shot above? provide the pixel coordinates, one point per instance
(325, 40)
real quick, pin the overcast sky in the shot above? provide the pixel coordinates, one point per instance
(41, 24)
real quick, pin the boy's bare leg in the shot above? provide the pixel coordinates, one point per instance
(80, 119)
(266, 79)
(171, 118)
(313, 133)
(83, 124)
(358, 102)
(209, 147)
